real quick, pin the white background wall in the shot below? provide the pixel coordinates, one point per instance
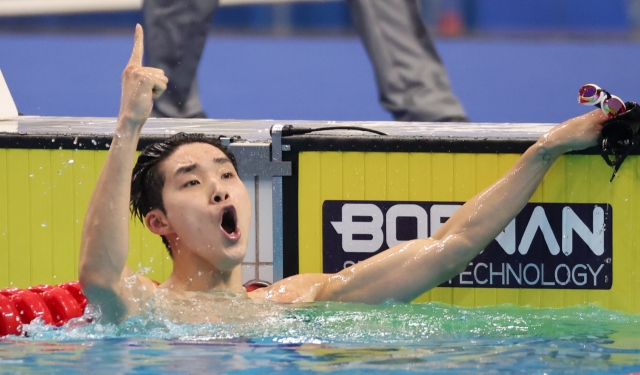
(32, 7)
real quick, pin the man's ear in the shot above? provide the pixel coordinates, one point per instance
(157, 222)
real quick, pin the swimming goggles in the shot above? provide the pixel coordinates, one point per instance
(620, 134)
(611, 105)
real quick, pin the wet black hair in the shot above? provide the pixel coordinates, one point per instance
(147, 179)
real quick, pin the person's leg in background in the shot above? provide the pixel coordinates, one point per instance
(633, 14)
(412, 82)
(175, 33)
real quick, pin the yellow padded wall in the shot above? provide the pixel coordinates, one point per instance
(456, 177)
(43, 199)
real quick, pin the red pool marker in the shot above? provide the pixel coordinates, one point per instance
(30, 306)
(40, 288)
(53, 304)
(73, 287)
(62, 305)
(8, 292)
(10, 323)
(252, 285)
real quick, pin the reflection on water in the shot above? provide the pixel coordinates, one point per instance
(248, 337)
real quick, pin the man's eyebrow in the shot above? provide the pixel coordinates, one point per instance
(221, 160)
(185, 169)
(192, 167)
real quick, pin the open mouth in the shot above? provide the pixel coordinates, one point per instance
(229, 222)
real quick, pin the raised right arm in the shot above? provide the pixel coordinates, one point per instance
(411, 268)
(105, 235)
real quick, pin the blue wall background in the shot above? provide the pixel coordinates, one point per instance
(498, 77)
(552, 15)
(510, 80)
(573, 16)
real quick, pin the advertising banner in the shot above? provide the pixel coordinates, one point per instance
(547, 245)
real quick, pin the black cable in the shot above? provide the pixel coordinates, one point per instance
(288, 130)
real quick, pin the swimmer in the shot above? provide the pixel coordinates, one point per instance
(187, 190)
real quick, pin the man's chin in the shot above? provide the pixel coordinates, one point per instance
(234, 256)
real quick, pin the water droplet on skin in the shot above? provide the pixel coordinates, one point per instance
(44, 224)
(128, 281)
(70, 161)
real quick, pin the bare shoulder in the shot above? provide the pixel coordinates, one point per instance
(298, 288)
(135, 287)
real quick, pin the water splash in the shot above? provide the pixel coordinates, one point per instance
(222, 316)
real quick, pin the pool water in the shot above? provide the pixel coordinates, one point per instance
(342, 338)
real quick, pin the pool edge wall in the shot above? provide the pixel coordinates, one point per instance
(355, 170)
(46, 182)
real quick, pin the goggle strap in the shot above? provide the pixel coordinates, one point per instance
(618, 160)
(615, 170)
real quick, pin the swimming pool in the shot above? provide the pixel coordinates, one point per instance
(299, 185)
(343, 338)
(50, 166)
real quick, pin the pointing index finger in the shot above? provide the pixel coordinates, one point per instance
(138, 47)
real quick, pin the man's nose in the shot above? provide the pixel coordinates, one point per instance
(220, 194)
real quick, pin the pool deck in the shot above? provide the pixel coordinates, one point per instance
(258, 130)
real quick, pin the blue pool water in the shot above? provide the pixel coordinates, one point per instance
(342, 338)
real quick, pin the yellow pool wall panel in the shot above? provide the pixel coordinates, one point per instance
(44, 196)
(457, 177)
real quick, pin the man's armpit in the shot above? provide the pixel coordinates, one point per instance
(112, 306)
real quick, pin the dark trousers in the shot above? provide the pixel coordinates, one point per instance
(412, 82)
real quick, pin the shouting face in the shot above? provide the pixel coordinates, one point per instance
(208, 211)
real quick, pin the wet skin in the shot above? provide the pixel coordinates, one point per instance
(207, 218)
(200, 187)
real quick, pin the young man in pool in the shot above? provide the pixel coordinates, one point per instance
(202, 210)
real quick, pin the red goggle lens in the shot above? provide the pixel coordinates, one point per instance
(613, 107)
(589, 94)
